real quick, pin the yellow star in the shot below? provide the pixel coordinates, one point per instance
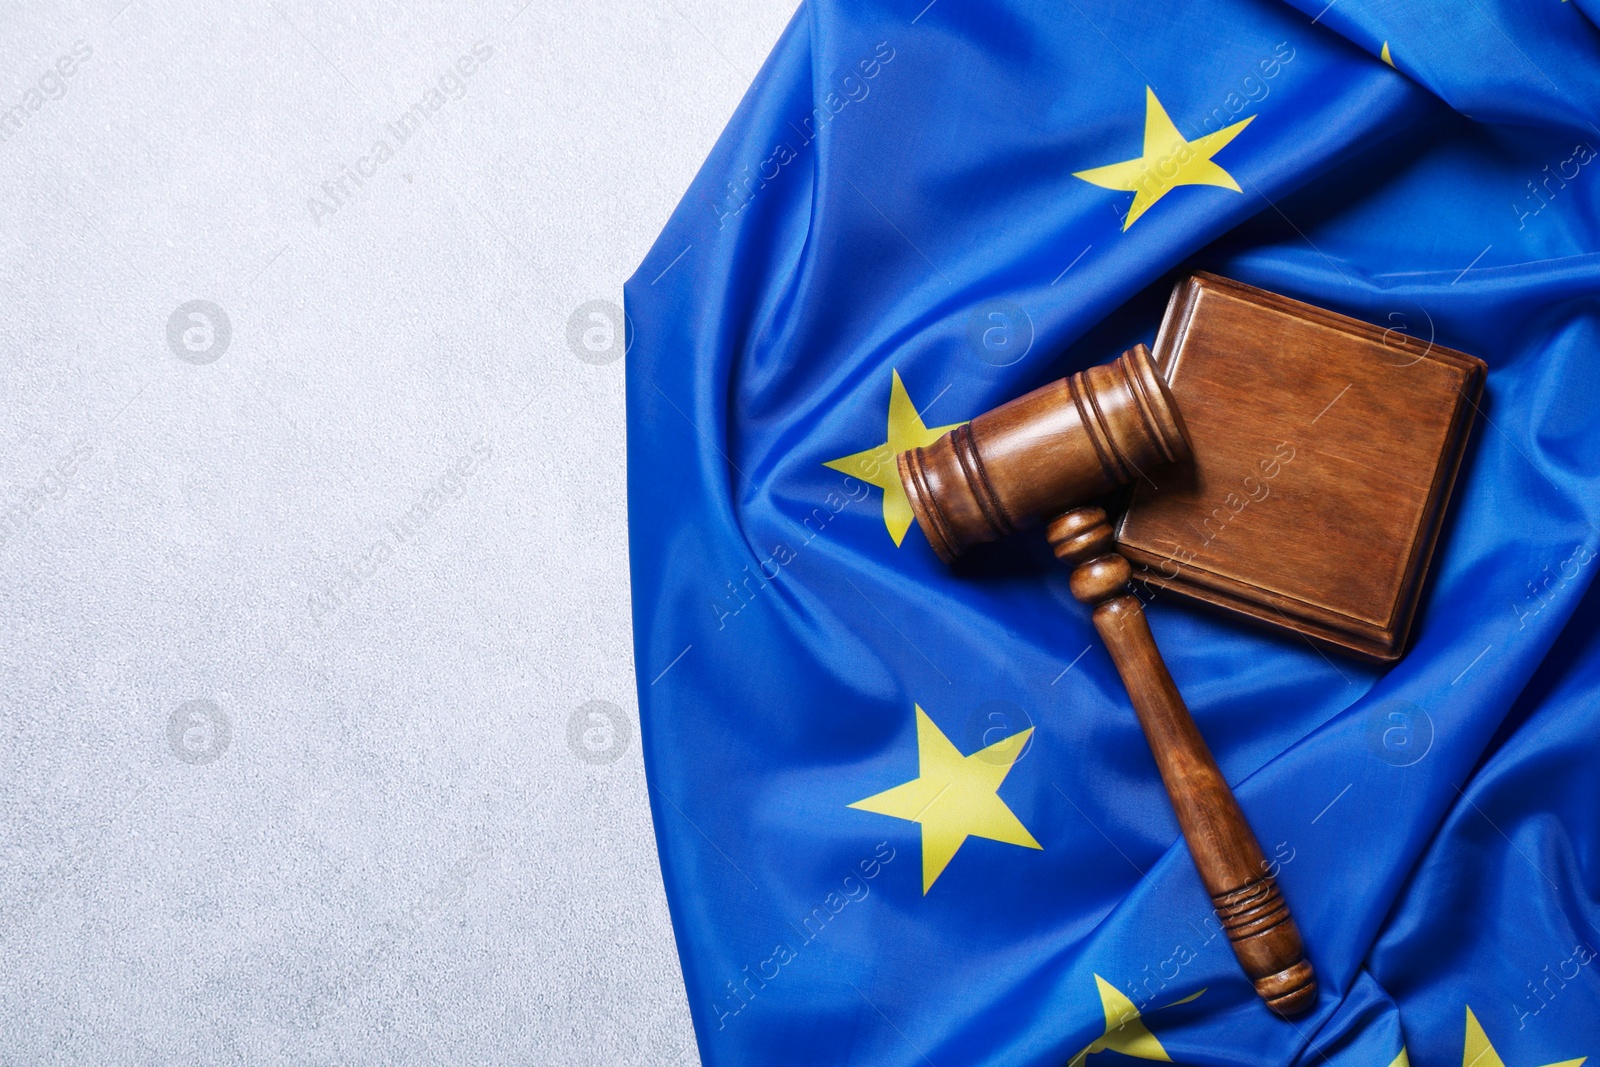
(1125, 1031)
(1385, 56)
(1168, 161)
(954, 796)
(1478, 1052)
(876, 466)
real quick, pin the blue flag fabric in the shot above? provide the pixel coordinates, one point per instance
(905, 814)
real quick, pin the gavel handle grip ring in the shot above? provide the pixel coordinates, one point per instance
(1232, 867)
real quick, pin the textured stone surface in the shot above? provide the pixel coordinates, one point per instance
(319, 740)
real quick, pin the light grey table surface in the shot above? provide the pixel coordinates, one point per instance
(313, 556)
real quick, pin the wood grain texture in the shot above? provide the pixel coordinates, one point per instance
(1074, 439)
(1227, 856)
(1325, 450)
(1054, 449)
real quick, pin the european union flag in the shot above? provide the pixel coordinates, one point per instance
(905, 815)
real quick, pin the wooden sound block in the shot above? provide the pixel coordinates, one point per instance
(1325, 450)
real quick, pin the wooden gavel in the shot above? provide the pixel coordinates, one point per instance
(1061, 447)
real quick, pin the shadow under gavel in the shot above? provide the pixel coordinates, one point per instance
(1047, 456)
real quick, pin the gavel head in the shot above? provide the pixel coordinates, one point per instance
(1062, 445)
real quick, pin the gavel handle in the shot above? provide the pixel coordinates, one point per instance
(1247, 899)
